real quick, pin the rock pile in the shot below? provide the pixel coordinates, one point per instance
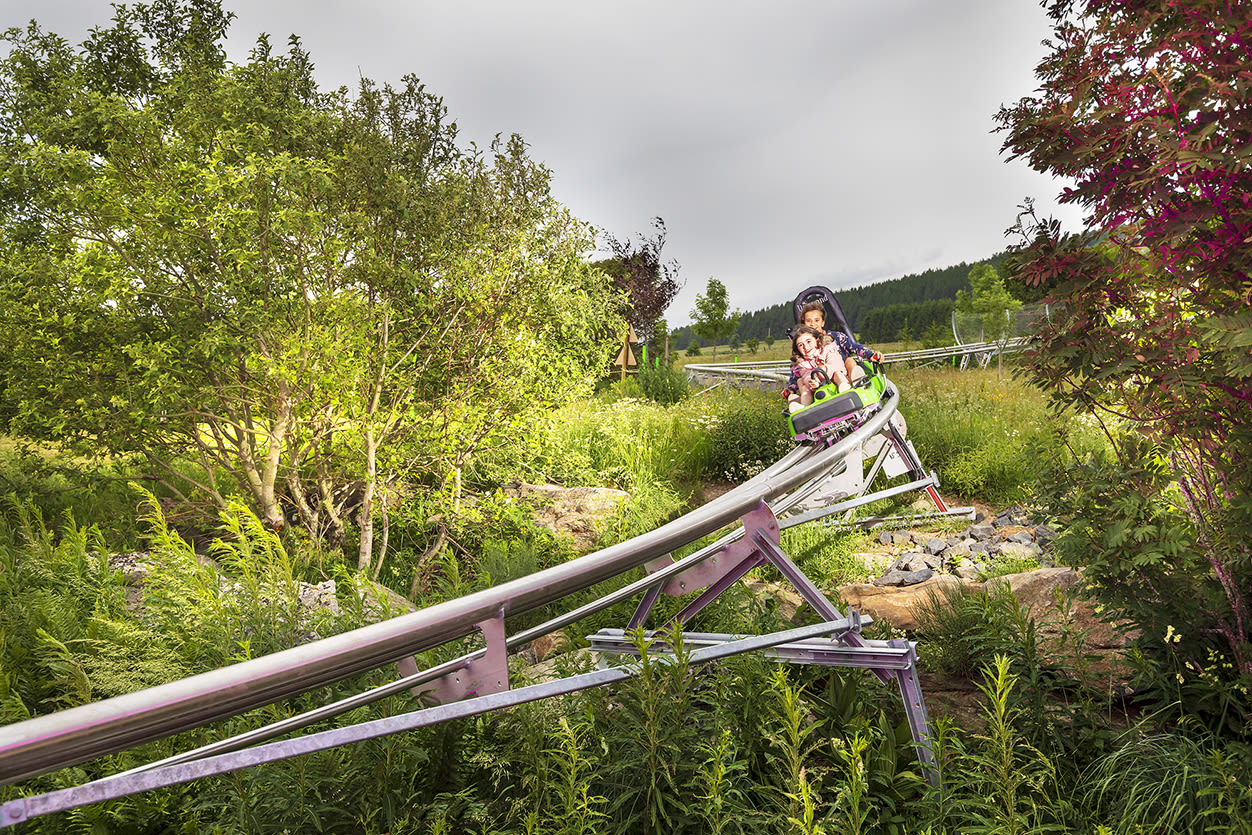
(576, 512)
(968, 554)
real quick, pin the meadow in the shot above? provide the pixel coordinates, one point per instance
(745, 746)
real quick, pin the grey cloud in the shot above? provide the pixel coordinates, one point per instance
(784, 144)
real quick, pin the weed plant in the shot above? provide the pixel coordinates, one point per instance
(662, 383)
(976, 429)
(1000, 783)
(1170, 782)
(963, 628)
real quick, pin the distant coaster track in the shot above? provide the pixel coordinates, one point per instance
(778, 370)
(478, 681)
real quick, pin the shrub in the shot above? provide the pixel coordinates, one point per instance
(693, 349)
(748, 437)
(663, 383)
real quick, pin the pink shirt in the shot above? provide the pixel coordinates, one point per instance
(827, 356)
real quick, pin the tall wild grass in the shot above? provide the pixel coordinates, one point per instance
(745, 746)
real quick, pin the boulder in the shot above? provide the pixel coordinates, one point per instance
(575, 512)
(905, 578)
(894, 604)
(545, 646)
(960, 549)
(1015, 550)
(981, 532)
(788, 599)
(1015, 515)
(1038, 590)
(1070, 624)
(1008, 531)
(321, 596)
(912, 561)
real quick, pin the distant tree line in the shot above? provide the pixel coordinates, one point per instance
(875, 312)
(902, 321)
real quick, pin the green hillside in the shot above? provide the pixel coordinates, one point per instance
(876, 312)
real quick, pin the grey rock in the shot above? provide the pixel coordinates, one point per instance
(1044, 534)
(967, 572)
(1022, 538)
(979, 548)
(577, 512)
(911, 561)
(904, 578)
(1015, 515)
(982, 532)
(886, 538)
(961, 549)
(1018, 550)
(935, 546)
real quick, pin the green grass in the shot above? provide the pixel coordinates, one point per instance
(60, 486)
(978, 430)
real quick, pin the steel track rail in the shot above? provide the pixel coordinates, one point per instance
(120, 785)
(69, 737)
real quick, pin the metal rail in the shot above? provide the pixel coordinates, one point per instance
(416, 680)
(59, 740)
(120, 785)
(780, 369)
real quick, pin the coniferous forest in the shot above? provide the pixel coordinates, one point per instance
(876, 312)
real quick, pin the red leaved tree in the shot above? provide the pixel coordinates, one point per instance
(1147, 108)
(649, 283)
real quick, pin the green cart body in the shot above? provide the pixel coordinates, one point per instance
(830, 408)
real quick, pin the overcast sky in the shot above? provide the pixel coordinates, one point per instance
(785, 144)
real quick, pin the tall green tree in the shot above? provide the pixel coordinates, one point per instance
(712, 318)
(990, 301)
(1143, 107)
(255, 287)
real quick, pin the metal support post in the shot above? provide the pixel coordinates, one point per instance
(915, 465)
(915, 710)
